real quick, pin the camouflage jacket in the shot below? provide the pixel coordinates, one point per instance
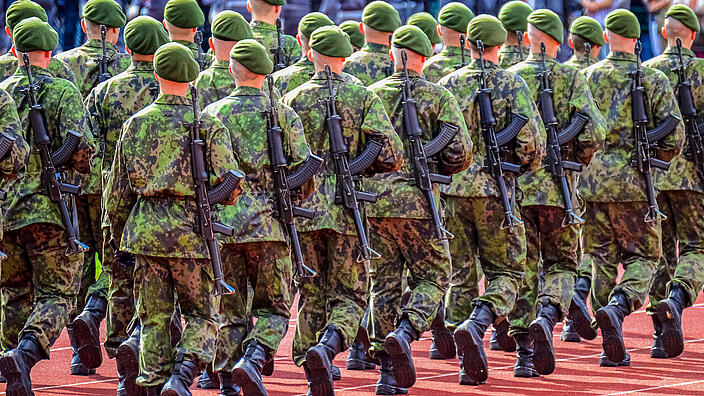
(215, 82)
(370, 64)
(579, 60)
(611, 177)
(682, 174)
(435, 105)
(570, 95)
(444, 63)
(363, 117)
(16, 158)
(265, 33)
(509, 95)
(244, 114)
(150, 198)
(208, 57)
(57, 68)
(63, 111)
(84, 63)
(509, 55)
(292, 77)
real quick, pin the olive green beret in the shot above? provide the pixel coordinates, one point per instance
(547, 22)
(589, 29)
(184, 14)
(310, 22)
(276, 2)
(175, 62)
(379, 15)
(104, 12)
(23, 9)
(352, 30)
(253, 56)
(685, 15)
(488, 29)
(514, 15)
(231, 26)
(33, 34)
(331, 41)
(144, 34)
(427, 24)
(624, 23)
(455, 16)
(412, 38)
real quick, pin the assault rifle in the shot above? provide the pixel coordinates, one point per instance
(198, 40)
(284, 208)
(206, 199)
(588, 47)
(493, 142)
(422, 178)
(6, 143)
(519, 36)
(556, 164)
(695, 146)
(346, 194)
(644, 138)
(103, 73)
(280, 59)
(51, 176)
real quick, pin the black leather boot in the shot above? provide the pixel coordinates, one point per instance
(208, 379)
(443, 346)
(128, 364)
(670, 314)
(541, 334)
(16, 366)
(500, 340)
(77, 367)
(357, 359)
(181, 379)
(610, 319)
(387, 384)
(248, 371)
(468, 338)
(336, 373)
(579, 312)
(657, 350)
(227, 385)
(86, 330)
(524, 358)
(604, 361)
(569, 334)
(398, 346)
(318, 364)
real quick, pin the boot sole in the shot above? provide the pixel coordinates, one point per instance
(570, 337)
(249, 387)
(390, 390)
(320, 378)
(88, 344)
(444, 346)
(658, 354)
(672, 337)
(581, 323)
(475, 365)
(404, 371)
(359, 365)
(128, 363)
(543, 352)
(613, 345)
(17, 385)
(524, 372)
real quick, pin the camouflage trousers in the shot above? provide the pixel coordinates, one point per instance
(121, 297)
(682, 232)
(162, 282)
(551, 249)
(614, 232)
(405, 244)
(476, 223)
(266, 266)
(39, 284)
(337, 296)
(91, 233)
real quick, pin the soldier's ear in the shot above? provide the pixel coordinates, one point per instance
(606, 37)
(391, 55)
(249, 7)
(310, 55)
(569, 41)
(693, 35)
(83, 25)
(211, 43)
(664, 33)
(128, 50)
(298, 38)
(8, 32)
(526, 38)
(439, 31)
(361, 27)
(231, 71)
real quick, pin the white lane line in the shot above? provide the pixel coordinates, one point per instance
(656, 387)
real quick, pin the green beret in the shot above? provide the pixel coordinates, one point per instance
(589, 29)
(144, 34)
(310, 22)
(184, 14)
(231, 26)
(427, 24)
(488, 29)
(514, 16)
(455, 16)
(175, 62)
(624, 23)
(104, 12)
(379, 15)
(547, 22)
(331, 41)
(23, 9)
(685, 15)
(253, 56)
(33, 34)
(352, 30)
(276, 2)
(412, 38)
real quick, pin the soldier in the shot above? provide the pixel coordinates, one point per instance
(111, 103)
(679, 277)
(149, 201)
(615, 191)
(216, 82)
(585, 34)
(372, 62)
(15, 13)
(400, 222)
(475, 210)
(331, 305)
(551, 224)
(428, 25)
(40, 278)
(264, 16)
(356, 35)
(514, 15)
(182, 19)
(258, 254)
(453, 19)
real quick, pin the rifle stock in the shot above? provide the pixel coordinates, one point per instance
(198, 41)
(695, 143)
(103, 73)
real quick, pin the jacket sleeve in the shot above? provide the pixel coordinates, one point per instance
(220, 155)
(16, 158)
(530, 142)
(74, 116)
(295, 144)
(457, 155)
(376, 125)
(118, 197)
(592, 136)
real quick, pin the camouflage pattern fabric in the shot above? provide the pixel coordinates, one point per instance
(510, 55)
(370, 64)
(265, 33)
(57, 68)
(297, 74)
(16, 158)
(444, 63)
(208, 56)
(83, 62)
(121, 298)
(91, 233)
(579, 60)
(215, 82)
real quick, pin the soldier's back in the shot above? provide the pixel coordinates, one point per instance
(57, 68)
(370, 64)
(84, 63)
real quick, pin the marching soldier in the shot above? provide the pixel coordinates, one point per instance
(356, 36)
(264, 19)
(453, 20)
(586, 35)
(514, 16)
(182, 19)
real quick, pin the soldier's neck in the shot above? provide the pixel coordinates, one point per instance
(270, 19)
(174, 88)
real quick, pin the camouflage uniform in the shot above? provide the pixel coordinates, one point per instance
(292, 77)
(474, 209)
(39, 282)
(208, 57)
(265, 33)
(510, 55)
(149, 201)
(216, 82)
(83, 62)
(444, 63)
(339, 295)
(110, 104)
(614, 230)
(401, 229)
(579, 60)
(370, 64)
(682, 200)
(16, 158)
(57, 68)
